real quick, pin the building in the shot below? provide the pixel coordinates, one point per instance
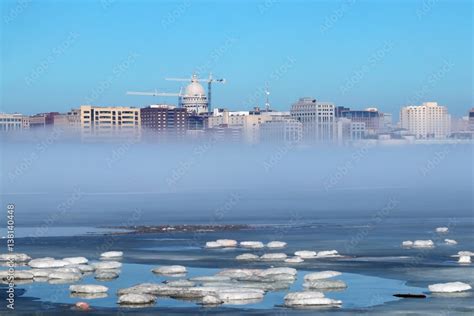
(348, 130)
(164, 120)
(375, 121)
(281, 130)
(470, 120)
(13, 122)
(194, 99)
(42, 120)
(317, 118)
(428, 120)
(110, 121)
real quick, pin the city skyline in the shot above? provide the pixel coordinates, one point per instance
(69, 66)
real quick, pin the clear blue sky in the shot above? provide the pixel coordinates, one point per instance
(60, 54)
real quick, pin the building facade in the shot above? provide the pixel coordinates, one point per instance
(428, 120)
(281, 130)
(110, 121)
(13, 122)
(317, 118)
(164, 120)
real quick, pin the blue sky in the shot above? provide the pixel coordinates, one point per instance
(57, 55)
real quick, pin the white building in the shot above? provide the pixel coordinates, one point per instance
(110, 121)
(13, 122)
(281, 130)
(428, 120)
(194, 98)
(348, 130)
(317, 118)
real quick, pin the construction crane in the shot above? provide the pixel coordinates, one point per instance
(156, 93)
(210, 80)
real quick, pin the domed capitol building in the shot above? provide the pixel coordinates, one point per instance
(194, 98)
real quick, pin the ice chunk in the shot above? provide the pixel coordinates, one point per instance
(18, 257)
(213, 244)
(273, 257)
(423, 244)
(301, 299)
(407, 244)
(88, 288)
(327, 254)
(174, 269)
(251, 244)
(107, 265)
(276, 244)
(464, 259)
(227, 242)
(450, 287)
(211, 300)
(211, 278)
(247, 256)
(180, 283)
(68, 276)
(111, 255)
(325, 284)
(321, 275)
(106, 275)
(276, 271)
(76, 260)
(442, 230)
(240, 294)
(295, 259)
(306, 254)
(450, 242)
(136, 299)
(45, 263)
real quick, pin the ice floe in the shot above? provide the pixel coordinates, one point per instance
(111, 255)
(450, 287)
(325, 284)
(308, 299)
(450, 242)
(170, 270)
(328, 254)
(442, 230)
(136, 299)
(17, 257)
(321, 275)
(423, 244)
(251, 244)
(247, 256)
(273, 257)
(76, 260)
(211, 300)
(106, 275)
(306, 254)
(464, 259)
(407, 244)
(180, 283)
(107, 265)
(67, 276)
(88, 288)
(294, 259)
(276, 244)
(227, 242)
(48, 262)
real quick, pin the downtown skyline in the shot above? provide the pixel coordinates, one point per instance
(329, 54)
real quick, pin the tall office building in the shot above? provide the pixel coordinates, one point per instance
(428, 120)
(164, 120)
(374, 120)
(110, 121)
(281, 130)
(317, 118)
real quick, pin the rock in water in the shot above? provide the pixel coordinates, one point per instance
(321, 275)
(450, 287)
(88, 288)
(423, 244)
(251, 244)
(306, 254)
(169, 270)
(442, 230)
(247, 256)
(136, 299)
(276, 244)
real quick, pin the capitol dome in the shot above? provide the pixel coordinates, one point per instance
(194, 89)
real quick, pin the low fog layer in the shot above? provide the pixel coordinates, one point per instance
(72, 183)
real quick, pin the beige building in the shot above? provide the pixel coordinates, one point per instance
(13, 122)
(318, 119)
(112, 121)
(428, 120)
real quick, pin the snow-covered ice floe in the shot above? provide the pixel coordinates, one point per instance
(308, 299)
(107, 265)
(273, 257)
(76, 260)
(321, 275)
(423, 244)
(251, 244)
(170, 270)
(442, 230)
(136, 299)
(325, 284)
(450, 287)
(47, 263)
(306, 254)
(294, 259)
(221, 243)
(450, 242)
(88, 288)
(17, 257)
(276, 244)
(111, 255)
(247, 256)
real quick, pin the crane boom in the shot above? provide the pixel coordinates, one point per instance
(154, 94)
